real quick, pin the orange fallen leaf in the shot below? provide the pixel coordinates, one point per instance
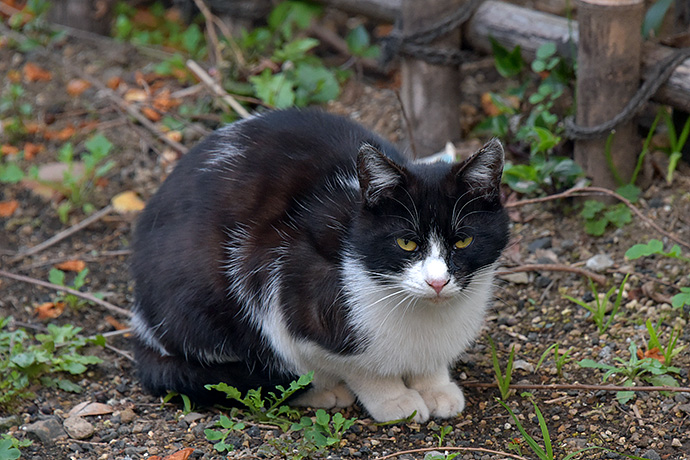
(32, 127)
(61, 135)
(164, 102)
(490, 107)
(114, 83)
(101, 182)
(174, 136)
(7, 208)
(14, 75)
(31, 150)
(71, 265)
(127, 202)
(151, 114)
(119, 326)
(7, 149)
(32, 72)
(654, 353)
(180, 454)
(49, 310)
(76, 86)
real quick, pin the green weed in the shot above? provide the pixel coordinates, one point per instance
(15, 111)
(42, 358)
(600, 306)
(502, 380)
(442, 432)
(271, 408)
(560, 359)
(648, 369)
(669, 351)
(228, 426)
(9, 447)
(323, 431)
(57, 276)
(656, 247)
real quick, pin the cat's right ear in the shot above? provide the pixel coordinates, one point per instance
(378, 175)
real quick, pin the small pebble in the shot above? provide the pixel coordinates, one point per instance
(539, 243)
(127, 415)
(676, 443)
(78, 427)
(651, 454)
(599, 263)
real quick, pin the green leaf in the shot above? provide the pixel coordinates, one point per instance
(8, 451)
(508, 63)
(619, 215)
(642, 250)
(681, 299)
(10, 173)
(655, 17)
(546, 50)
(192, 39)
(275, 90)
(315, 84)
(99, 146)
(358, 40)
(213, 435)
(56, 276)
(591, 208)
(630, 192)
(596, 227)
(295, 50)
(66, 385)
(663, 380)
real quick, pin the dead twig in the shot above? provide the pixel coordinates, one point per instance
(451, 449)
(212, 36)
(216, 88)
(56, 287)
(63, 234)
(578, 386)
(599, 279)
(580, 191)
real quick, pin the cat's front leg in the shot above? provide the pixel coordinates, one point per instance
(325, 392)
(441, 395)
(387, 398)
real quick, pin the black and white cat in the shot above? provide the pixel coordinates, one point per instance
(298, 241)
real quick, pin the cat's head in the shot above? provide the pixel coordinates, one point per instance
(429, 229)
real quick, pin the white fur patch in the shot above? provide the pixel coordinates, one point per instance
(146, 333)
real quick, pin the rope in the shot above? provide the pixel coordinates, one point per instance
(660, 74)
(414, 44)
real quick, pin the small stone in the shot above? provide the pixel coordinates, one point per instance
(600, 263)
(523, 365)
(127, 415)
(7, 422)
(676, 443)
(539, 243)
(651, 454)
(684, 408)
(567, 245)
(193, 417)
(46, 431)
(542, 282)
(78, 428)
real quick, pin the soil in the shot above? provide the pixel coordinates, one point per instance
(530, 312)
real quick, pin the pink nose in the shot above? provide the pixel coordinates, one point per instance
(438, 285)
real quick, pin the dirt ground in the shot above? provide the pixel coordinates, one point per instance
(529, 314)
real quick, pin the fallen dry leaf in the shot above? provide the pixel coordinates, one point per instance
(7, 208)
(164, 102)
(49, 310)
(31, 150)
(7, 149)
(32, 72)
(491, 109)
(14, 75)
(653, 353)
(76, 86)
(114, 83)
(174, 136)
(151, 114)
(60, 135)
(180, 454)
(127, 202)
(90, 408)
(119, 326)
(71, 265)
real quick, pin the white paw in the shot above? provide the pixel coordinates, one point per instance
(444, 401)
(400, 407)
(338, 396)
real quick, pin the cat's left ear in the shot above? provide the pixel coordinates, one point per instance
(378, 175)
(482, 171)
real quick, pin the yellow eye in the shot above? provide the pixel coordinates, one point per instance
(462, 244)
(407, 245)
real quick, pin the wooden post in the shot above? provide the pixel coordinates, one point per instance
(92, 15)
(431, 93)
(608, 75)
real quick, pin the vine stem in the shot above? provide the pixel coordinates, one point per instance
(580, 191)
(457, 449)
(57, 287)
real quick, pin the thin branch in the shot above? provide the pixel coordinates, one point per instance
(56, 287)
(578, 386)
(216, 88)
(63, 234)
(408, 125)
(213, 38)
(599, 279)
(456, 449)
(580, 191)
